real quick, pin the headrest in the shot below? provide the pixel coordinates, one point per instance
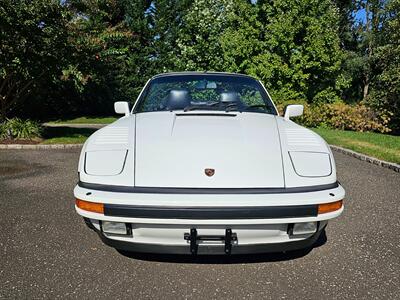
(178, 99)
(229, 97)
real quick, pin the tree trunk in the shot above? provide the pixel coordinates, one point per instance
(366, 87)
(369, 49)
(3, 110)
(12, 93)
(3, 98)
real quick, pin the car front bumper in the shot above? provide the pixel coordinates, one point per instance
(159, 222)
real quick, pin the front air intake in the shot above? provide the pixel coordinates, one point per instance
(206, 115)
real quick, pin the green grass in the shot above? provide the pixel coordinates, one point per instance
(65, 140)
(381, 146)
(86, 120)
(66, 135)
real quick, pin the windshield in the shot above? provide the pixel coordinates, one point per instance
(205, 92)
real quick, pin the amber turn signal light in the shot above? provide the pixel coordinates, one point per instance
(329, 207)
(90, 206)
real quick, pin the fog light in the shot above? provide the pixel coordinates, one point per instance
(114, 227)
(303, 228)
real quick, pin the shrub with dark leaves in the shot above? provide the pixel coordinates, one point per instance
(20, 129)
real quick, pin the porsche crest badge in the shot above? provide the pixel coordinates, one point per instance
(209, 172)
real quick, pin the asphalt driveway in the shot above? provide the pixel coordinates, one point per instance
(47, 251)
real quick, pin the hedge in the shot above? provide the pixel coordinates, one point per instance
(341, 116)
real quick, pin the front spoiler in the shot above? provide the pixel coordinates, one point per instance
(211, 250)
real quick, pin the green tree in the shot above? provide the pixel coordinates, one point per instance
(199, 39)
(370, 33)
(166, 22)
(353, 62)
(301, 55)
(111, 57)
(385, 85)
(240, 40)
(139, 63)
(33, 48)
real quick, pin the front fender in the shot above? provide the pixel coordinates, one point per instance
(107, 157)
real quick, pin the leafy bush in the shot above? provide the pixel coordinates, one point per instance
(326, 96)
(3, 131)
(342, 116)
(19, 129)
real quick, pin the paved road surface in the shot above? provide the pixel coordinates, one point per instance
(47, 251)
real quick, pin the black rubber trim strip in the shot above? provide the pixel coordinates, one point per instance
(204, 213)
(172, 190)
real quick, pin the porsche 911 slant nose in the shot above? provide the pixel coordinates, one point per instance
(205, 164)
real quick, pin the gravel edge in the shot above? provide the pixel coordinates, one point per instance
(363, 157)
(372, 160)
(40, 146)
(77, 125)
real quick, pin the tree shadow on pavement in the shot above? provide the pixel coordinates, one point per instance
(226, 259)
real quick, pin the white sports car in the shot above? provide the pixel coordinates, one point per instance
(203, 164)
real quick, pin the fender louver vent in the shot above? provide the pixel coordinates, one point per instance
(112, 135)
(301, 137)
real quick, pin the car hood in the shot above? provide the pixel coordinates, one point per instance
(174, 149)
(171, 149)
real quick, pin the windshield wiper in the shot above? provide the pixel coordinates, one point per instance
(202, 106)
(213, 103)
(257, 106)
(232, 107)
(193, 107)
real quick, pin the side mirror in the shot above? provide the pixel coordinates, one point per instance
(293, 111)
(122, 107)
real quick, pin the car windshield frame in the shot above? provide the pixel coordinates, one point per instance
(209, 77)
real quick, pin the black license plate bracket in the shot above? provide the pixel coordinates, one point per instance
(193, 237)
